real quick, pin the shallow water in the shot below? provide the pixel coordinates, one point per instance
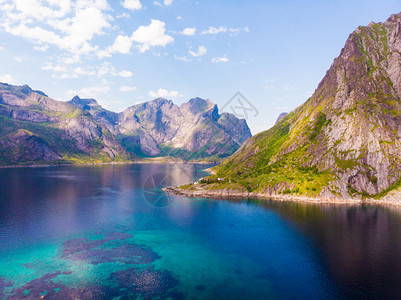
(101, 232)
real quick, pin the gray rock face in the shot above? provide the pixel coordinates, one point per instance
(195, 128)
(105, 117)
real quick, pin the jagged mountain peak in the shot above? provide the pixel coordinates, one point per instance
(198, 107)
(81, 103)
(160, 100)
(192, 127)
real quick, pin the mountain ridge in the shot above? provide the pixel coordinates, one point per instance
(80, 130)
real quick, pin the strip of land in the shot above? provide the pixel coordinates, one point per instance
(393, 199)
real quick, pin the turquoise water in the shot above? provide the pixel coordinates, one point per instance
(109, 232)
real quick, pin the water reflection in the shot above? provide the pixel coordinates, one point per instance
(360, 245)
(42, 203)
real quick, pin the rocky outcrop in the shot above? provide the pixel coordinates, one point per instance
(23, 146)
(343, 142)
(101, 115)
(280, 117)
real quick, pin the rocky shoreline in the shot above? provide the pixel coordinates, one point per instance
(390, 200)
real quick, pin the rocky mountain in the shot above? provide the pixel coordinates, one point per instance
(37, 129)
(193, 130)
(344, 142)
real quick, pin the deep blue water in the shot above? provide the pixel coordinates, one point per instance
(105, 232)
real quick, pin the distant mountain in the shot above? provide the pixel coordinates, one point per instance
(35, 129)
(193, 130)
(280, 117)
(344, 142)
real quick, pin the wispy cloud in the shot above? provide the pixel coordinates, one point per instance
(223, 59)
(8, 78)
(202, 50)
(189, 31)
(223, 29)
(126, 88)
(89, 92)
(163, 93)
(182, 58)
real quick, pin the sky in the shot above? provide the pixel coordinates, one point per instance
(127, 52)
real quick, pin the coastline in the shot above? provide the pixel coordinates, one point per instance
(151, 160)
(226, 194)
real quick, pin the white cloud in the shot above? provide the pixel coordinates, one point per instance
(202, 50)
(224, 29)
(71, 59)
(57, 68)
(69, 25)
(189, 31)
(18, 59)
(123, 15)
(126, 88)
(41, 48)
(214, 30)
(179, 18)
(182, 58)
(223, 59)
(152, 35)
(41, 10)
(165, 2)
(80, 71)
(104, 70)
(125, 73)
(89, 92)
(132, 4)
(122, 44)
(7, 78)
(163, 93)
(67, 75)
(2, 48)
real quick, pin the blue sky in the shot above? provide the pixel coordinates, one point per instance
(130, 51)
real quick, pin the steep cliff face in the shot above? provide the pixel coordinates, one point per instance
(193, 130)
(101, 115)
(345, 140)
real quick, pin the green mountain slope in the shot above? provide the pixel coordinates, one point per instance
(344, 142)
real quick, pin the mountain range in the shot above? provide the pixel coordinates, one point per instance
(343, 143)
(35, 129)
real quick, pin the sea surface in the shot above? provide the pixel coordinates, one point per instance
(110, 232)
